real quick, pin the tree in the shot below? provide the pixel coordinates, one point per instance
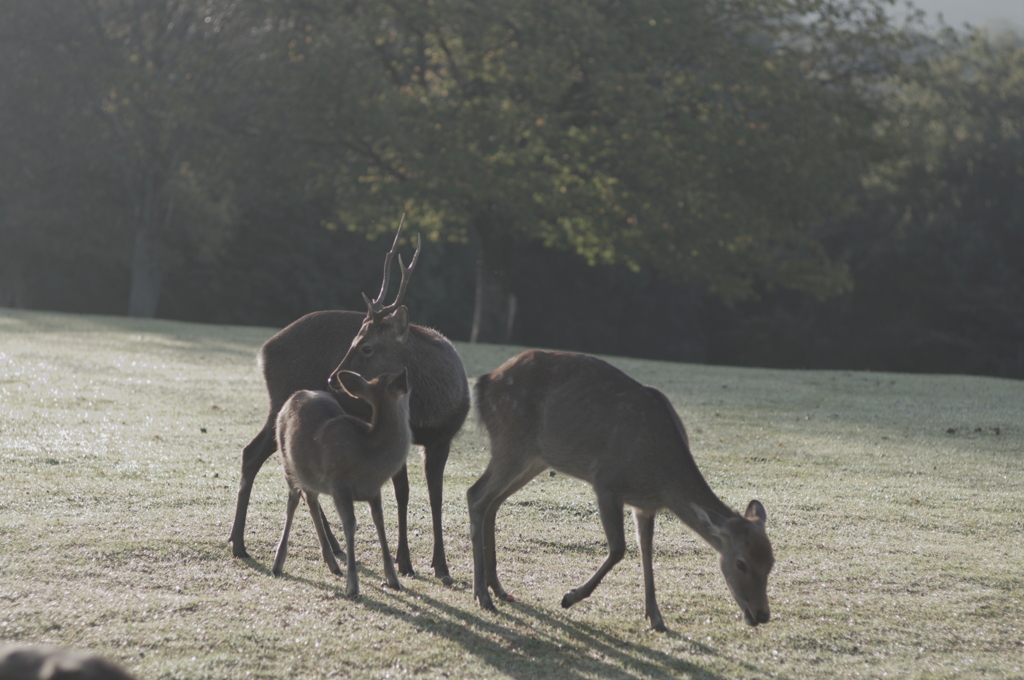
(706, 140)
(49, 186)
(942, 273)
(934, 246)
(130, 77)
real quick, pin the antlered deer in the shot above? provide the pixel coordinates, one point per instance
(327, 451)
(304, 356)
(585, 418)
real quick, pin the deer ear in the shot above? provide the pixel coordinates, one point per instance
(353, 383)
(712, 523)
(755, 512)
(400, 320)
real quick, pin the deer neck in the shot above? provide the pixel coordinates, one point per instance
(697, 492)
(685, 486)
(385, 422)
(374, 418)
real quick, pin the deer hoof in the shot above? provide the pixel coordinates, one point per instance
(570, 599)
(441, 572)
(239, 551)
(659, 628)
(392, 586)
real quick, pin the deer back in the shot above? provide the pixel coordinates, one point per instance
(321, 444)
(311, 426)
(588, 419)
(302, 356)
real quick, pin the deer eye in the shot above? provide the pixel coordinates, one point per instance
(366, 350)
(741, 565)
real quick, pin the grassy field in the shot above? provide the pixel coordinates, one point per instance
(895, 504)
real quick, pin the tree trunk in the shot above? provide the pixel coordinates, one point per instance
(147, 273)
(495, 305)
(12, 269)
(146, 276)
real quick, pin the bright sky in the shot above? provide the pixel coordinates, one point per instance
(992, 14)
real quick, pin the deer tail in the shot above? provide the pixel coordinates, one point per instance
(480, 398)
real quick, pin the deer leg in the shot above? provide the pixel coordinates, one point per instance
(477, 508)
(335, 546)
(610, 508)
(645, 537)
(490, 542)
(254, 456)
(435, 457)
(317, 513)
(343, 502)
(484, 498)
(377, 512)
(401, 483)
(282, 547)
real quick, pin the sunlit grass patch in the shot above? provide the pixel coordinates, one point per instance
(893, 505)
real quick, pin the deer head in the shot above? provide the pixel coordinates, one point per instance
(377, 347)
(745, 557)
(359, 387)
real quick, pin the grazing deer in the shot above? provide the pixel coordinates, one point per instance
(327, 451)
(585, 418)
(307, 353)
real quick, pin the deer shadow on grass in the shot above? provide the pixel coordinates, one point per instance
(554, 646)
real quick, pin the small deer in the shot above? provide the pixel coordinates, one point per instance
(307, 353)
(327, 451)
(585, 418)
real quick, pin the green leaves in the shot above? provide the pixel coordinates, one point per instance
(706, 141)
(712, 141)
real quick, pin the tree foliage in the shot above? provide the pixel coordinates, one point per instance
(784, 173)
(935, 245)
(945, 273)
(129, 78)
(707, 141)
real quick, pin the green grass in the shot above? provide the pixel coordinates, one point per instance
(894, 502)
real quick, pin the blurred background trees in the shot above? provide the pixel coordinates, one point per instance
(783, 183)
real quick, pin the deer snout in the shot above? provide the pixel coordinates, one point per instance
(756, 618)
(333, 382)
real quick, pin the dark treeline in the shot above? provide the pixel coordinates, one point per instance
(786, 184)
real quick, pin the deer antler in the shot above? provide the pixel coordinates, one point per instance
(375, 309)
(387, 265)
